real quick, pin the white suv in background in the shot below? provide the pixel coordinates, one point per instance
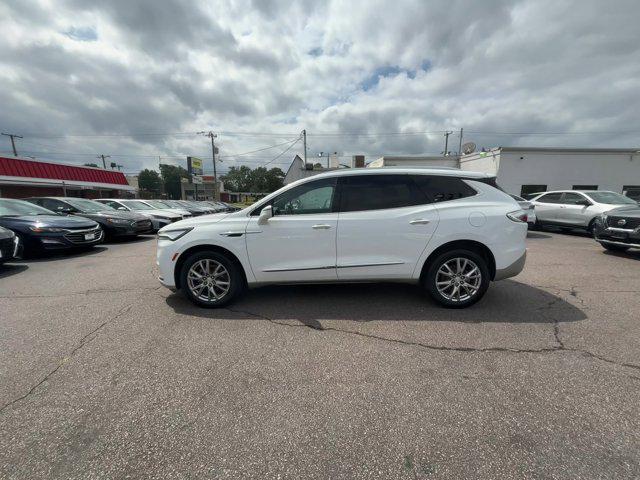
(569, 209)
(450, 230)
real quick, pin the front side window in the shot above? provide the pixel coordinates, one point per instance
(550, 198)
(377, 192)
(305, 199)
(573, 199)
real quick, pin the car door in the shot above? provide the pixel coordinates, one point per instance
(298, 243)
(547, 207)
(384, 224)
(574, 209)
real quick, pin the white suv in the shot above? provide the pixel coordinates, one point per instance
(452, 231)
(569, 209)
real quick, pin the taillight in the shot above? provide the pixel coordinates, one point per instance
(517, 216)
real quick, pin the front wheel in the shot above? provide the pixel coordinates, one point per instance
(210, 279)
(457, 279)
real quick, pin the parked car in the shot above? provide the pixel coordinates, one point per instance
(40, 229)
(527, 207)
(159, 218)
(570, 209)
(619, 229)
(451, 231)
(161, 205)
(222, 206)
(9, 245)
(113, 222)
(188, 206)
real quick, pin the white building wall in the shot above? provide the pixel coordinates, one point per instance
(415, 161)
(558, 168)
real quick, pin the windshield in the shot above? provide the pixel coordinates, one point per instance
(20, 207)
(135, 205)
(610, 198)
(87, 206)
(157, 204)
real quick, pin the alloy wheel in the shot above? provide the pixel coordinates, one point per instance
(208, 280)
(458, 279)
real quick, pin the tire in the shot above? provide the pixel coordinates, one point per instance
(446, 295)
(614, 248)
(591, 227)
(222, 272)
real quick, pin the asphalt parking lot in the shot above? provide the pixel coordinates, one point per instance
(105, 374)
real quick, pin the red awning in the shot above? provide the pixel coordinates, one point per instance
(18, 167)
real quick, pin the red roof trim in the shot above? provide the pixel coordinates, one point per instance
(18, 167)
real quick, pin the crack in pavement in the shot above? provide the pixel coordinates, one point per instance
(83, 341)
(557, 348)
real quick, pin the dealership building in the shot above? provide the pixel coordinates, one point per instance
(26, 177)
(523, 170)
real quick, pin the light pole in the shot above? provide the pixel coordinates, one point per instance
(211, 135)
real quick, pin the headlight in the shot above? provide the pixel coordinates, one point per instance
(160, 217)
(118, 221)
(174, 234)
(46, 229)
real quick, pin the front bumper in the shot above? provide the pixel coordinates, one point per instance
(139, 228)
(624, 237)
(69, 239)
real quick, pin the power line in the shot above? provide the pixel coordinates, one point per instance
(282, 153)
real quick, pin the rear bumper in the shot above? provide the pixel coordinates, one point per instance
(511, 270)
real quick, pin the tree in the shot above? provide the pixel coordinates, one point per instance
(259, 180)
(91, 165)
(172, 175)
(150, 181)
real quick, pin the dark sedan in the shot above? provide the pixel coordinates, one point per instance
(113, 222)
(41, 229)
(619, 229)
(9, 245)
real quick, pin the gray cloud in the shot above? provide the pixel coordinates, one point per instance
(89, 67)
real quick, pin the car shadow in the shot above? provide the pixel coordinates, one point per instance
(8, 269)
(537, 235)
(631, 253)
(505, 302)
(129, 239)
(53, 255)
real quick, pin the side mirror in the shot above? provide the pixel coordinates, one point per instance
(584, 203)
(265, 214)
(122, 208)
(65, 210)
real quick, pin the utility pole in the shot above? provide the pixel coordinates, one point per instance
(103, 157)
(446, 141)
(460, 146)
(304, 137)
(211, 135)
(13, 143)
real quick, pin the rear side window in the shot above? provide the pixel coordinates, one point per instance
(550, 198)
(442, 189)
(377, 192)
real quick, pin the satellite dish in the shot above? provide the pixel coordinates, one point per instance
(468, 148)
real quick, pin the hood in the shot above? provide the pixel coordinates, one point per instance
(164, 213)
(196, 221)
(115, 214)
(58, 221)
(629, 211)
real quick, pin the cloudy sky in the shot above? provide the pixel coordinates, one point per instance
(135, 79)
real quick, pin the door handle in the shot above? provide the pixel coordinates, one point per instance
(321, 226)
(419, 221)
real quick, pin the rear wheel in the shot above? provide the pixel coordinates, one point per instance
(210, 279)
(457, 279)
(614, 248)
